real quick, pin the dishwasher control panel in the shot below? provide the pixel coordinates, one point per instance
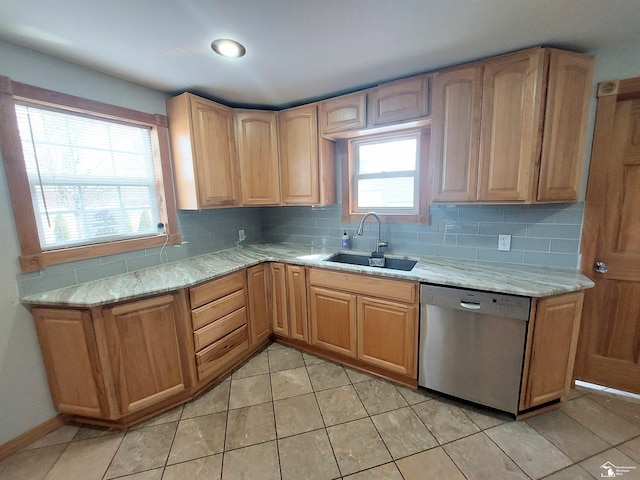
(476, 301)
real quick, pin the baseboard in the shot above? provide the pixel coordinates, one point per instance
(32, 435)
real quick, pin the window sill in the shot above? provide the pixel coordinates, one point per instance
(30, 263)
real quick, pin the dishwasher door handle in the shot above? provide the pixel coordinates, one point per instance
(470, 305)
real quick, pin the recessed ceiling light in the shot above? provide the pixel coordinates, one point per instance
(228, 48)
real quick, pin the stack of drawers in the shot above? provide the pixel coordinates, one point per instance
(219, 318)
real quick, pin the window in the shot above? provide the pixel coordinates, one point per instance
(86, 178)
(386, 174)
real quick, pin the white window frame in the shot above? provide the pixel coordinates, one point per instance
(357, 176)
(348, 152)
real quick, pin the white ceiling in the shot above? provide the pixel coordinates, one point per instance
(299, 50)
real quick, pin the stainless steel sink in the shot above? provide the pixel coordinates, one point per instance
(390, 263)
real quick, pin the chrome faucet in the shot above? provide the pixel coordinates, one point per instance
(379, 243)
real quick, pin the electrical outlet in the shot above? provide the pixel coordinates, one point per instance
(241, 235)
(504, 242)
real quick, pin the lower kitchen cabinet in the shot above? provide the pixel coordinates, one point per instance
(70, 354)
(258, 303)
(297, 302)
(370, 319)
(144, 353)
(109, 362)
(279, 311)
(551, 347)
(387, 334)
(219, 320)
(333, 320)
(289, 301)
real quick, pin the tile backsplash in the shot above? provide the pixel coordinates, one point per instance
(546, 235)
(202, 232)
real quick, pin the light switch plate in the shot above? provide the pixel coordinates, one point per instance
(504, 242)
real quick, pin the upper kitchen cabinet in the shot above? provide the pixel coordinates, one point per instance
(565, 127)
(257, 141)
(511, 129)
(455, 136)
(306, 159)
(399, 101)
(389, 106)
(203, 153)
(347, 112)
(512, 87)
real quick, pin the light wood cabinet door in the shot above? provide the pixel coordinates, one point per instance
(347, 112)
(565, 126)
(510, 126)
(258, 295)
(551, 347)
(257, 141)
(297, 302)
(299, 155)
(399, 101)
(388, 335)
(455, 133)
(279, 311)
(70, 355)
(332, 318)
(203, 153)
(144, 352)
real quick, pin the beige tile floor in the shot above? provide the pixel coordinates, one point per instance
(289, 415)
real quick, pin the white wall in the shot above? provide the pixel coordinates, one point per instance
(24, 394)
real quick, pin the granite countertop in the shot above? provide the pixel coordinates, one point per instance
(522, 280)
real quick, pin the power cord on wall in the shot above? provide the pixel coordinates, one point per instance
(162, 227)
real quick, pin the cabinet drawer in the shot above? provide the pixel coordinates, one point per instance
(216, 289)
(221, 352)
(402, 290)
(218, 309)
(219, 328)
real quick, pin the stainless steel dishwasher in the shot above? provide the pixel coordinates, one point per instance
(472, 344)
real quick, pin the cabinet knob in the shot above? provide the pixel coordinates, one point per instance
(600, 267)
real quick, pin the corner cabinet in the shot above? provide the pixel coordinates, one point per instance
(257, 141)
(289, 301)
(258, 290)
(511, 128)
(306, 159)
(203, 153)
(111, 363)
(551, 347)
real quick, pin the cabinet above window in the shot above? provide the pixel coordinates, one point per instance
(399, 104)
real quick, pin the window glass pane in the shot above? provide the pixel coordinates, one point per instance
(386, 192)
(387, 156)
(92, 180)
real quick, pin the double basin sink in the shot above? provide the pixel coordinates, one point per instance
(389, 263)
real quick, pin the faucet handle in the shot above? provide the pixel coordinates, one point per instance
(382, 244)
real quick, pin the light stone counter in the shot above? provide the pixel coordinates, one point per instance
(496, 277)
